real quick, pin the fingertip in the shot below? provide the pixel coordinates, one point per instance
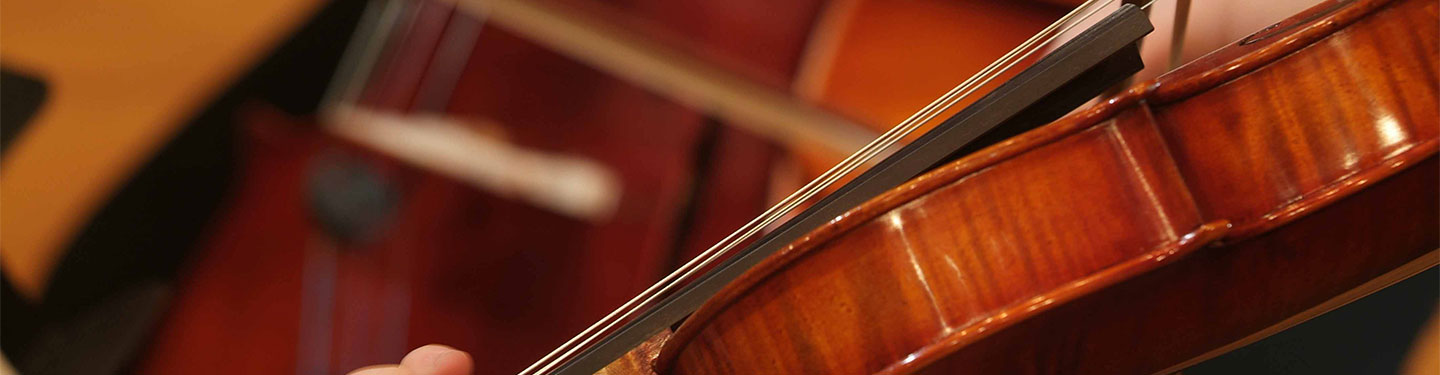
(454, 362)
(437, 360)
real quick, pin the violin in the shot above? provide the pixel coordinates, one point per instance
(1266, 183)
(1140, 203)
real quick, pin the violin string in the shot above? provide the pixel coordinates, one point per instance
(923, 116)
(452, 54)
(362, 52)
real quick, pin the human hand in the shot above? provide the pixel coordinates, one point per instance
(426, 360)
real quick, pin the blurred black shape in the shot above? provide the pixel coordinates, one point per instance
(349, 199)
(20, 98)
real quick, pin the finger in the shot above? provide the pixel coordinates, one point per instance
(437, 360)
(380, 370)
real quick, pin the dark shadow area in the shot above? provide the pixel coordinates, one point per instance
(1370, 336)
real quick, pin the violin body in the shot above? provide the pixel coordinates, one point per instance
(1241, 194)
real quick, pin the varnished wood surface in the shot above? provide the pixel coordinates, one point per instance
(1372, 86)
(1306, 159)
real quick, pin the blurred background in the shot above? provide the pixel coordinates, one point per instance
(303, 186)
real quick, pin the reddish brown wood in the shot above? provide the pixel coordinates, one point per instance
(640, 360)
(1306, 160)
